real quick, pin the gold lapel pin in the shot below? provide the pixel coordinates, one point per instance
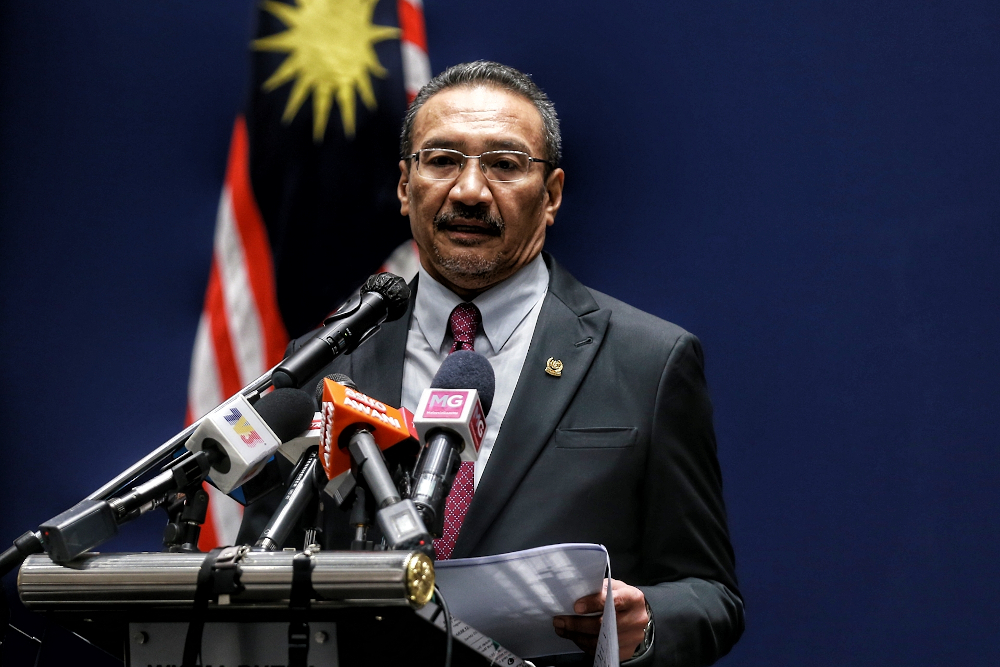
(554, 367)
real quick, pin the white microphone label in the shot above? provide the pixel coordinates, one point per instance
(456, 409)
(247, 441)
(445, 404)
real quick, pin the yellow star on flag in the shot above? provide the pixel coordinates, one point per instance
(331, 52)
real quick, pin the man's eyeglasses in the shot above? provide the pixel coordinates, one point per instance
(444, 164)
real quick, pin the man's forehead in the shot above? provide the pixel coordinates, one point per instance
(498, 117)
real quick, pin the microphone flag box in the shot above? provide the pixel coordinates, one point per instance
(458, 410)
(294, 449)
(343, 408)
(243, 436)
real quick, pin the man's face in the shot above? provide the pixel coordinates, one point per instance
(473, 233)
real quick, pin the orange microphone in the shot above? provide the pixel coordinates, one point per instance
(346, 411)
(355, 430)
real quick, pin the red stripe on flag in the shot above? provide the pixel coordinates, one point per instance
(225, 359)
(208, 539)
(411, 24)
(256, 246)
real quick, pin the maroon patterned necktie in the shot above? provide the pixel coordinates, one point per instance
(464, 323)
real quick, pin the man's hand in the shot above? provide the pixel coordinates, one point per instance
(630, 610)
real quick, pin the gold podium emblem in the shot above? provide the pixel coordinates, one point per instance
(419, 578)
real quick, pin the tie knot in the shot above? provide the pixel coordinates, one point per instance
(464, 322)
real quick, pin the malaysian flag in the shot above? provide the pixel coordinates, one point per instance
(308, 209)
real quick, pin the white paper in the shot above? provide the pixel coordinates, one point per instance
(513, 597)
(606, 654)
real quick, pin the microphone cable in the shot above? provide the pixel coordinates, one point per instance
(447, 623)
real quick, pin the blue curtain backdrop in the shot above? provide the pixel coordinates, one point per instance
(812, 188)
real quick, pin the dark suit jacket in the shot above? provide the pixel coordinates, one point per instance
(619, 450)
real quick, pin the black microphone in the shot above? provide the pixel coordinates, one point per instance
(336, 377)
(384, 298)
(304, 484)
(451, 423)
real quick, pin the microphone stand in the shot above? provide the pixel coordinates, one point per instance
(185, 518)
(339, 338)
(353, 492)
(401, 525)
(303, 486)
(32, 542)
(167, 450)
(360, 521)
(343, 332)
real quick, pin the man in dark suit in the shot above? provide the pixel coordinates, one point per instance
(604, 432)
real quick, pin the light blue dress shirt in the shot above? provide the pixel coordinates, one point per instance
(509, 310)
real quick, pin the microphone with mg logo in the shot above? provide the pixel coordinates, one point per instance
(451, 422)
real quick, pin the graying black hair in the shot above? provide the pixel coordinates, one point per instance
(489, 73)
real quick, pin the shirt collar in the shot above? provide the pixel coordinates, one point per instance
(503, 306)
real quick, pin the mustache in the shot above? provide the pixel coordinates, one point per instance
(459, 211)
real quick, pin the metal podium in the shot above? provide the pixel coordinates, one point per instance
(249, 608)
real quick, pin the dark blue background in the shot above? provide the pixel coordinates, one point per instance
(812, 188)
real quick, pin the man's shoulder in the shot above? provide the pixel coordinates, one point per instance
(630, 316)
(636, 335)
(624, 318)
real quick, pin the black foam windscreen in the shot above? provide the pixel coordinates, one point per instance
(287, 411)
(393, 289)
(336, 377)
(465, 369)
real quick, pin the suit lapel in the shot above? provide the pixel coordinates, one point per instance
(379, 360)
(569, 316)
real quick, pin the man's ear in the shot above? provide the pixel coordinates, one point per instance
(554, 190)
(403, 188)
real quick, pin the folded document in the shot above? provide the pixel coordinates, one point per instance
(513, 597)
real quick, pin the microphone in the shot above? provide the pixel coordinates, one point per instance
(246, 437)
(294, 449)
(217, 450)
(451, 423)
(306, 479)
(346, 410)
(384, 298)
(269, 478)
(356, 428)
